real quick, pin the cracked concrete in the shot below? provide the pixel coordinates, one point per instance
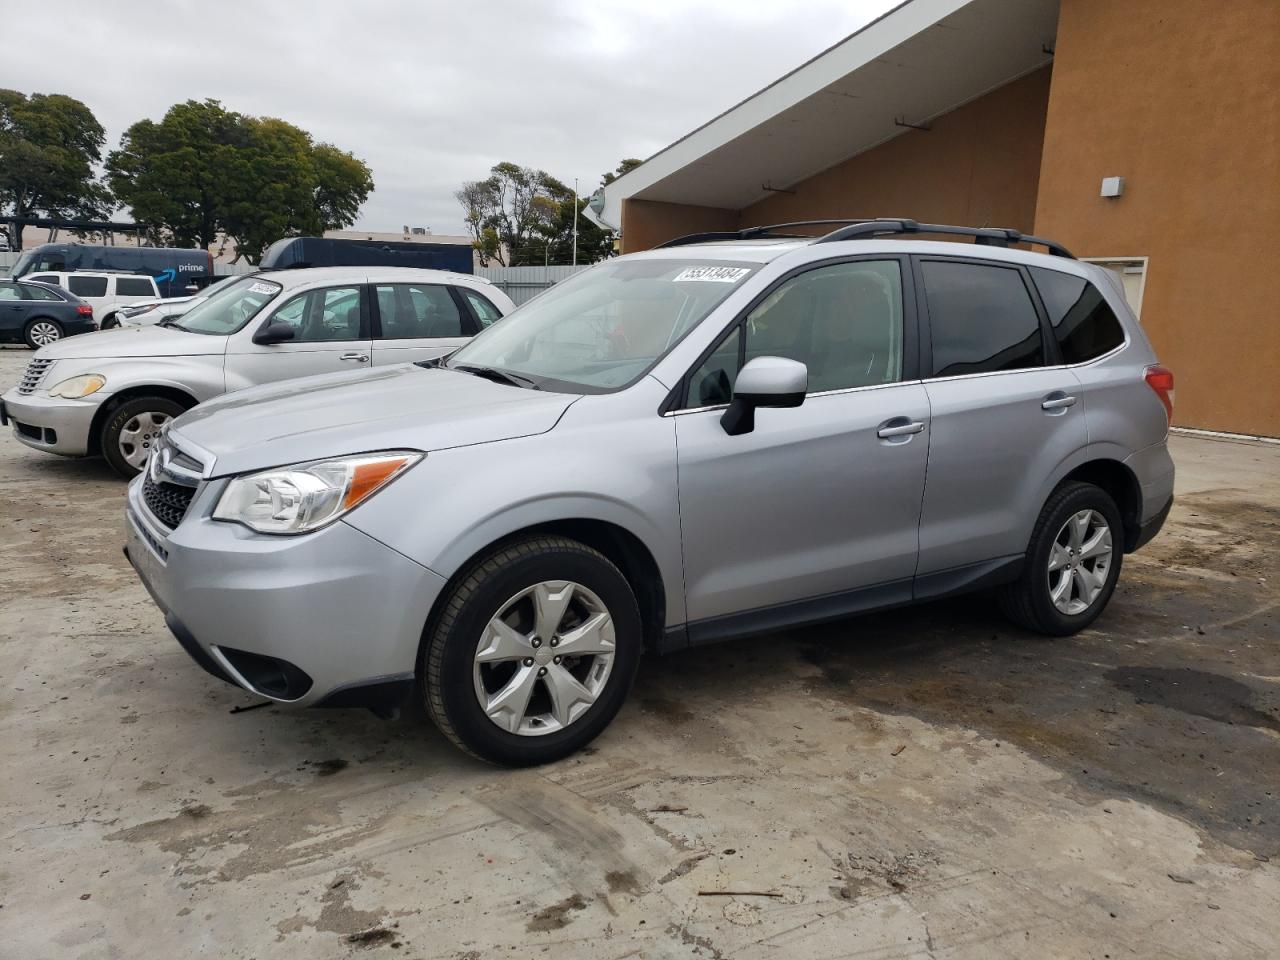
(1045, 797)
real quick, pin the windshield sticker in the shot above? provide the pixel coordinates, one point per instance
(713, 274)
(267, 288)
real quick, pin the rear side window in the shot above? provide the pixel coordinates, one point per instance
(30, 291)
(412, 311)
(134, 287)
(87, 286)
(981, 319)
(485, 311)
(1083, 324)
(46, 278)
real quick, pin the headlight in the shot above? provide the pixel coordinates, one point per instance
(139, 311)
(306, 496)
(78, 387)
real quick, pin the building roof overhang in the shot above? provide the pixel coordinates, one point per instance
(922, 59)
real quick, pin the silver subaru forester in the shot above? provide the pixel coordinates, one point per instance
(731, 434)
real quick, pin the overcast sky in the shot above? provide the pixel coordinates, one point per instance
(430, 94)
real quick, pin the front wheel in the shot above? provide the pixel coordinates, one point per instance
(131, 432)
(533, 653)
(110, 322)
(1072, 564)
(41, 332)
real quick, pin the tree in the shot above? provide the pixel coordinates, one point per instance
(49, 144)
(509, 213)
(204, 169)
(625, 167)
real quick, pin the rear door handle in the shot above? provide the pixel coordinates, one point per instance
(1059, 401)
(357, 357)
(899, 429)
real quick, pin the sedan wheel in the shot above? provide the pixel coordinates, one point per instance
(42, 333)
(544, 658)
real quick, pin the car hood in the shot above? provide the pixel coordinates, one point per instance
(332, 415)
(121, 343)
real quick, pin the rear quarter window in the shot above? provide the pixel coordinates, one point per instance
(134, 287)
(1083, 322)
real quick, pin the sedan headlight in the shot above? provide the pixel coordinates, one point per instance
(306, 496)
(77, 388)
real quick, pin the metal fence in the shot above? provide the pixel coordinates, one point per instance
(524, 283)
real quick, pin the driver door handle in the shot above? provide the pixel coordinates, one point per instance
(900, 430)
(357, 357)
(1058, 403)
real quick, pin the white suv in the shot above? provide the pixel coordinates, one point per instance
(105, 292)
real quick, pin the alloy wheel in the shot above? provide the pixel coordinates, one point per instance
(544, 658)
(139, 435)
(1079, 561)
(44, 333)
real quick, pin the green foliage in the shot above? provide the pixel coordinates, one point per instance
(49, 144)
(204, 169)
(519, 216)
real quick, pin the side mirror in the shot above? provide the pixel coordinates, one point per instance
(764, 382)
(277, 331)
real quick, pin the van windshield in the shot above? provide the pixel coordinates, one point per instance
(602, 329)
(229, 307)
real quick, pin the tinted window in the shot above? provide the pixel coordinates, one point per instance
(981, 319)
(134, 287)
(712, 383)
(87, 286)
(320, 315)
(1083, 324)
(415, 311)
(47, 278)
(485, 311)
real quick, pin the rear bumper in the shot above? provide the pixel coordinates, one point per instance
(1148, 529)
(50, 424)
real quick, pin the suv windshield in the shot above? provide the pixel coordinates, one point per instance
(229, 307)
(604, 328)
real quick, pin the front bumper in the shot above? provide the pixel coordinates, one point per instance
(299, 620)
(51, 424)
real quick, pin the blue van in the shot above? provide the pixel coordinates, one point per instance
(323, 252)
(174, 270)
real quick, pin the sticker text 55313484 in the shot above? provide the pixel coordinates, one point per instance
(712, 274)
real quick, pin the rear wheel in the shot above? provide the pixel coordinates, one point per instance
(41, 332)
(534, 652)
(132, 429)
(1072, 564)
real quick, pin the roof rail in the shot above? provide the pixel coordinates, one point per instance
(751, 233)
(984, 236)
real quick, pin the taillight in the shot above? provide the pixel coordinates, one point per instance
(84, 310)
(1160, 379)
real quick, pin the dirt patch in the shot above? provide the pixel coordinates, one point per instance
(1195, 692)
(556, 916)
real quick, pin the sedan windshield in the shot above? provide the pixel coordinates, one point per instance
(604, 328)
(229, 307)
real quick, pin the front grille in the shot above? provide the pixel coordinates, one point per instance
(33, 375)
(167, 502)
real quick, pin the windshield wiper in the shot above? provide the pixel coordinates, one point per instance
(498, 376)
(171, 322)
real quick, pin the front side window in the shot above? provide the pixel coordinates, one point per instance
(413, 311)
(317, 316)
(134, 287)
(9, 291)
(842, 321)
(485, 311)
(87, 286)
(981, 319)
(230, 308)
(603, 328)
(1083, 323)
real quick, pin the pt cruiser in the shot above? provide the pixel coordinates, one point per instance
(732, 434)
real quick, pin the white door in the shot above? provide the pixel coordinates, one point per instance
(331, 333)
(417, 321)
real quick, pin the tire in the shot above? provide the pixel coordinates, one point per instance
(1030, 601)
(109, 322)
(454, 680)
(141, 417)
(42, 331)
